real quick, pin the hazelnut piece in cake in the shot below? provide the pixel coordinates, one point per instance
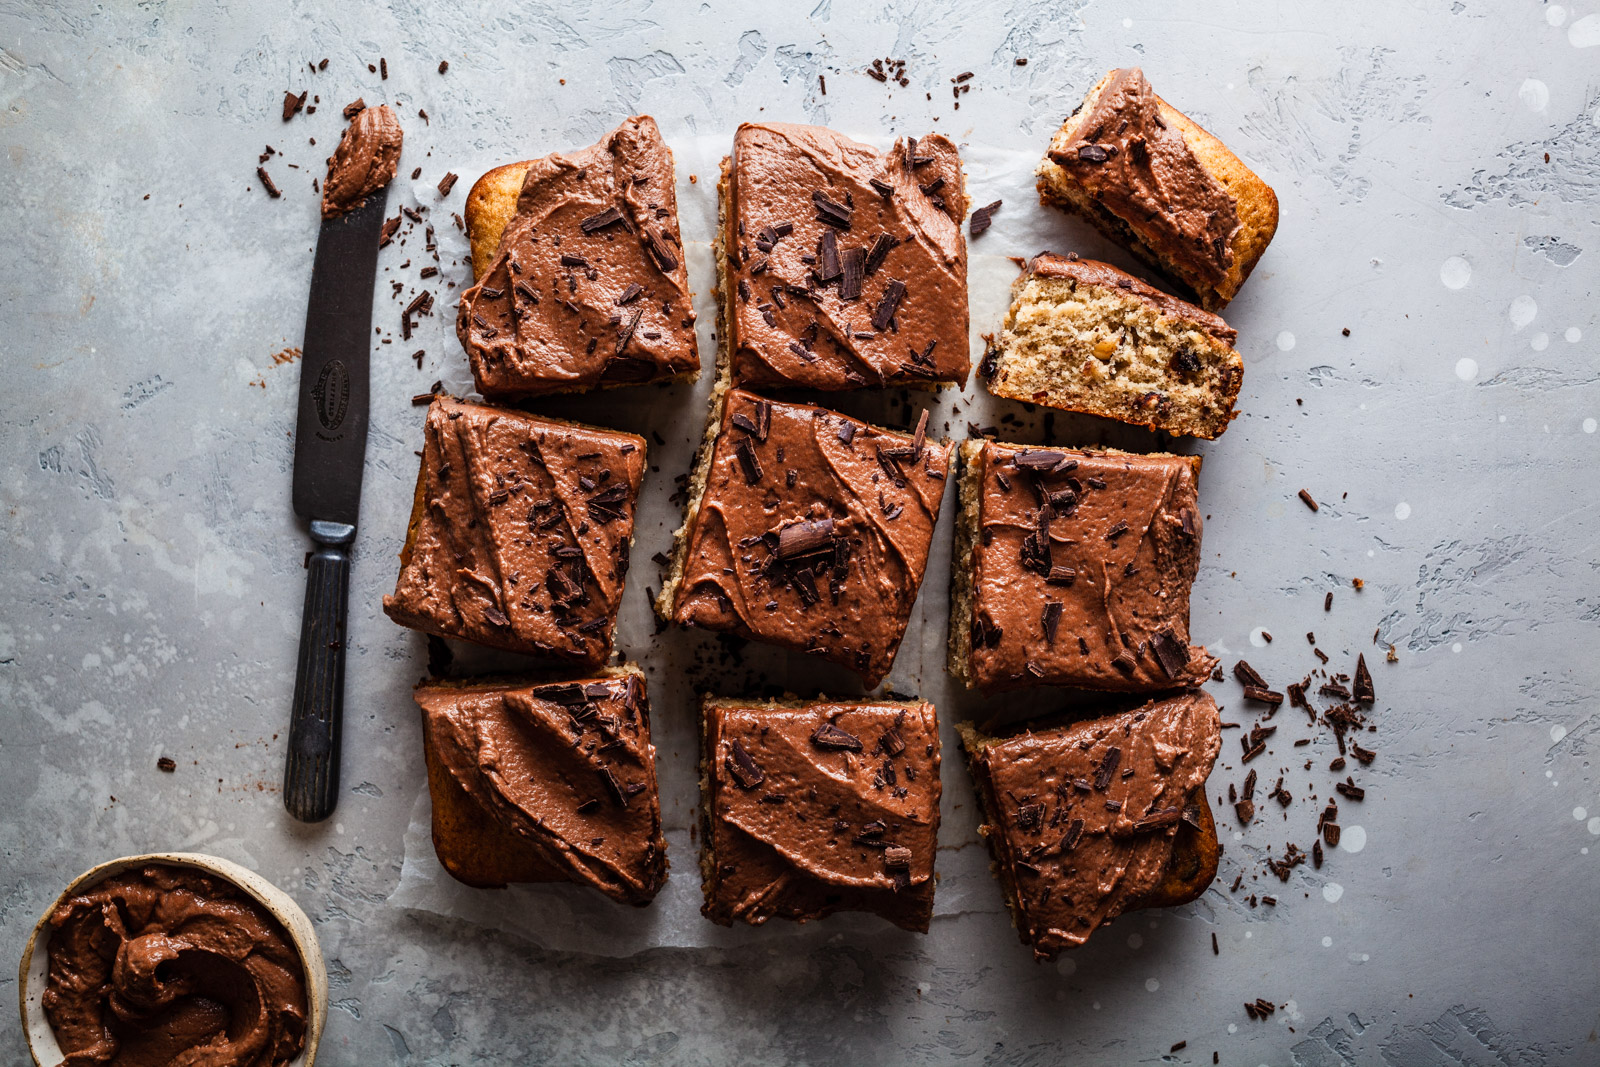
(1084, 336)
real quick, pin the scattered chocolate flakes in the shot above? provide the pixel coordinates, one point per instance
(1117, 531)
(166, 764)
(292, 104)
(982, 219)
(266, 181)
(1348, 788)
(1305, 495)
(852, 263)
(1248, 675)
(660, 250)
(447, 183)
(831, 211)
(1108, 767)
(1263, 696)
(354, 108)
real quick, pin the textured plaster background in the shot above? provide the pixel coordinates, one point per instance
(1438, 166)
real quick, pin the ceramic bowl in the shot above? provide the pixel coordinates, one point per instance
(35, 956)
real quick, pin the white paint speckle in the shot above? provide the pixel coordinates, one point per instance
(1535, 94)
(1233, 1028)
(1502, 418)
(1127, 24)
(1522, 311)
(1402, 511)
(1455, 273)
(1466, 369)
(1580, 814)
(1539, 341)
(1456, 647)
(1555, 14)
(1594, 827)
(1135, 941)
(1096, 1005)
(1067, 966)
(1573, 335)
(1151, 984)
(1285, 341)
(1353, 839)
(1557, 732)
(1248, 935)
(1332, 892)
(1258, 637)
(1327, 942)
(1589, 425)
(1585, 33)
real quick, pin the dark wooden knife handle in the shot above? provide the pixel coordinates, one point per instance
(311, 772)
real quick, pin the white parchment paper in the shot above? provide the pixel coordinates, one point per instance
(677, 664)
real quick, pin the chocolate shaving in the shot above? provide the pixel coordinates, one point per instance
(1362, 686)
(748, 460)
(893, 293)
(852, 263)
(829, 736)
(982, 218)
(803, 538)
(600, 220)
(447, 183)
(1108, 767)
(831, 211)
(1172, 653)
(743, 767)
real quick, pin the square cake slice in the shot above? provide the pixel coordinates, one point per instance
(587, 286)
(807, 529)
(1073, 568)
(842, 266)
(810, 808)
(1088, 821)
(551, 782)
(1145, 175)
(1084, 336)
(520, 532)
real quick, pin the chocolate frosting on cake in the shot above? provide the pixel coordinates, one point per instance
(845, 266)
(1083, 819)
(1139, 167)
(1094, 272)
(812, 532)
(1082, 570)
(568, 767)
(589, 285)
(821, 808)
(521, 537)
(167, 964)
(364, 162)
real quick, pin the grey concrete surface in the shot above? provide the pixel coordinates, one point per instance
(1439, 170)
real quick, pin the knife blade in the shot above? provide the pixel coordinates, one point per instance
(329, 453)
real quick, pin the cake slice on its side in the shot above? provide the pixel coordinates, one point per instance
(1088, 821)
(1145, 175)
(1084, 336)
(814, 807)
(546, 782)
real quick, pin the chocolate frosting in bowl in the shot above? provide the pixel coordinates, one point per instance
(162, 964)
